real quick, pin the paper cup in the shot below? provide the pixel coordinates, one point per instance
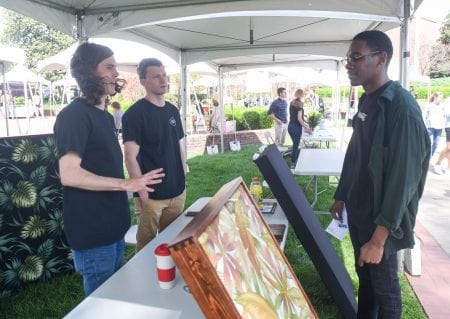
(165, 267)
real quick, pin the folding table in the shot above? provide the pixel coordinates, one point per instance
(319, 162)
(133, 291)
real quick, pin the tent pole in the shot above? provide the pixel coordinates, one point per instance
(4, 98)
(405, 45)
(404, 79)
(222, 113)
(183, 96)
(79, 36)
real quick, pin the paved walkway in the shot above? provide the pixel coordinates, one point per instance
(432, 287)
(31, 126)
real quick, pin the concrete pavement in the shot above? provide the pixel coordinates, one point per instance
(432, 287)
(434, 209)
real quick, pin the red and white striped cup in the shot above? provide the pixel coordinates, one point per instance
(165, 267)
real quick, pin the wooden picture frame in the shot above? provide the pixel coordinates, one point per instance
(232, 263)
(308, 229)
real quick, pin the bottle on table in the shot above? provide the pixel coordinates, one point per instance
(257, 192)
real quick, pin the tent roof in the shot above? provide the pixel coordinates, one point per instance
(211, 30)
(127, 55)
(20, 73)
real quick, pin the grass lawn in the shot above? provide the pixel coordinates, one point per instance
(207, 174)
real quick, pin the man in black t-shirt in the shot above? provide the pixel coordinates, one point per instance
(383, 175)
(95, 204)
(153, 137)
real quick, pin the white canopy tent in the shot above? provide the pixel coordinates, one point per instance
(20, 73)
(228, 33)
(126, 53)
(191, 31)
(8, 57)
(32, 83)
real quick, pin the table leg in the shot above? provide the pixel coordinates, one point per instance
(315, 192)
(309, 184)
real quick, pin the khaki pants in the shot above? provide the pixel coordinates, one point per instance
(155, 216)
(280, 133)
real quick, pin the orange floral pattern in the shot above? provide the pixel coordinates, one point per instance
(250, 265)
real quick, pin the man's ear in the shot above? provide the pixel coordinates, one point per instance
(383, 58)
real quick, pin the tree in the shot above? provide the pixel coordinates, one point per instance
(37, 39)
(440, 54)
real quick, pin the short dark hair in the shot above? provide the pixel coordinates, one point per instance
(144, 64)
(83, 67)
(377, 40)
(280, 90)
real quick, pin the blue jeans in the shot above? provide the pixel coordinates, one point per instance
(295, 131)
(379, 294)
(435, 136)
(98, 264)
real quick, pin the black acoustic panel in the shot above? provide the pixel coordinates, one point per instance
(308, 229)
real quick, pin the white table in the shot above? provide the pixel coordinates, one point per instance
(319, 135)
(319, 162)
(133, 291)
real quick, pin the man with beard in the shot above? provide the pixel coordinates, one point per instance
(95, 203)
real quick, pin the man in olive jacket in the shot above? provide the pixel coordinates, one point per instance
(383, 175)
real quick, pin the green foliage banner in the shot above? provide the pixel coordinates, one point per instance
(33, 246)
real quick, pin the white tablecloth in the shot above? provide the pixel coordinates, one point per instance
(133, 291)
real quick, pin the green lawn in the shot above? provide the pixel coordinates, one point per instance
(207, 174)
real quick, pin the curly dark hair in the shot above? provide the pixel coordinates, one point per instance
(83, 67)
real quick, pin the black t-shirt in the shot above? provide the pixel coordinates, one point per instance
(295, 107)
(92, 218)
(359, 201)
(157, 131)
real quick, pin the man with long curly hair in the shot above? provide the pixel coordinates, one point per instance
(95, 204)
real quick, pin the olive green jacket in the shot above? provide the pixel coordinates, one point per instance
(398, 166)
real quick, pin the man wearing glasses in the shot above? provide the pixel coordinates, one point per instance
(383, 175)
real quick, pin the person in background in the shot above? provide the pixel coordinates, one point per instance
(154, 137)
(445, 153)
(95, 203)
(435, 119)
(296, 124)
(10, 103)
(315, 101)
(118, 113)
(383, 175)
(36, 100)
(278, 112)
(5, 100)
(214, 123)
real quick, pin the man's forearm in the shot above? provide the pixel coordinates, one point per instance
(78, 177)
(134, 170)
(276, 119)
(380, 236)
(183, 156)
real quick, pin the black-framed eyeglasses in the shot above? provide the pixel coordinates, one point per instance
(356, 57)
